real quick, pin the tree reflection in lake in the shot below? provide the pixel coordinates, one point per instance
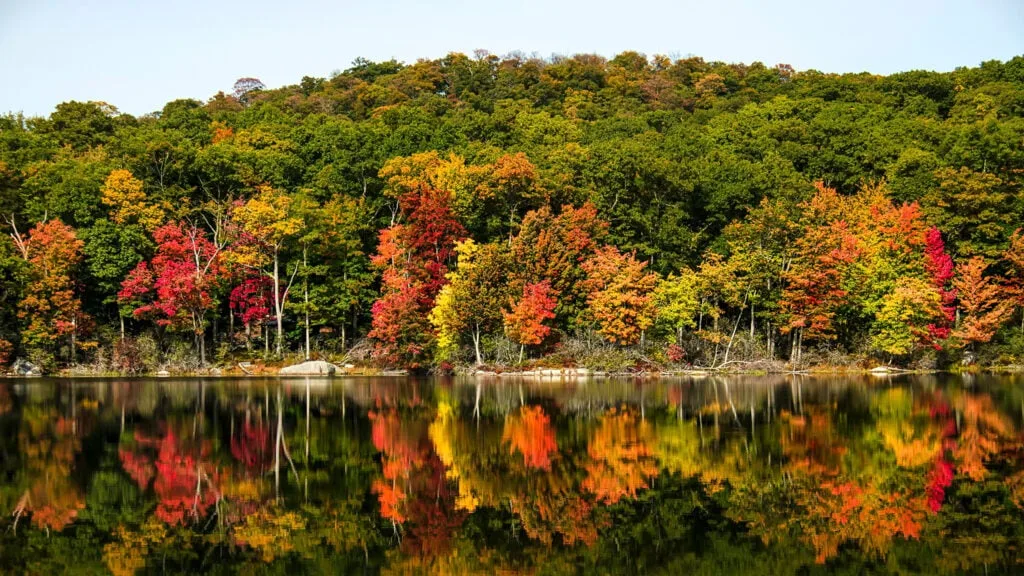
(776, 474)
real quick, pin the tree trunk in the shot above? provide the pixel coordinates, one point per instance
(202, 348)
(121, 317)
(278, 305)
(476, 345)
(728, 347)
(305, 296)
(521, 348)
(74, 329)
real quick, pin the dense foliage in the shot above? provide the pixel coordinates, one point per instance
(735, 211)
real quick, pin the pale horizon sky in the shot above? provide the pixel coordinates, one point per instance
(138, 55)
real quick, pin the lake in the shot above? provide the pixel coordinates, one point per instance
(718, 475)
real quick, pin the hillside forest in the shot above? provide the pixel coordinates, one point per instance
(634, 213)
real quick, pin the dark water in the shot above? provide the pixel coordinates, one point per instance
(764, 475)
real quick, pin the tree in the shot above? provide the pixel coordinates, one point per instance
(982, 302)
(267, 223)
(913, 304)
(814, 289)
(244, 87)
(473, 297)
(552, 248)
(1014, 256)
(413, 257)
(514, 185)
(124, 194)
(250, 301)
(335, 272)
(619, 294)
(524, 321)
(176, 287)
(971, 209)
(676, 302)
(50, 305)
(940, 271)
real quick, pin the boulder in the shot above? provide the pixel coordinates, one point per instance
(163, 373)
(310, 368)
(23, 367)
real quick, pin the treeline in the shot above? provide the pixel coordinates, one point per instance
(485, 210)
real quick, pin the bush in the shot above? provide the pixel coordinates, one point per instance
(128, 357)
(181, 356)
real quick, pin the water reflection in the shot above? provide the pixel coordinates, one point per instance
(777, 474)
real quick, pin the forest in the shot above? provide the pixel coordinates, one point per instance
(635, 213)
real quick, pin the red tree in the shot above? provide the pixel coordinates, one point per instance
(176, 286)
(524, 323)
(940, 269)
(413, 257)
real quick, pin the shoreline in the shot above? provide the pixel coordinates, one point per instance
(539, 374)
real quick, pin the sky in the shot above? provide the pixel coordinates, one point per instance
(139, 54)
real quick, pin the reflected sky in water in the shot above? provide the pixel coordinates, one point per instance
(770, 474)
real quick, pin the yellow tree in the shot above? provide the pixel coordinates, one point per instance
(125, 196)
(267, 221)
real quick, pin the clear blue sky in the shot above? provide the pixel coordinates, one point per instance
(139, 54)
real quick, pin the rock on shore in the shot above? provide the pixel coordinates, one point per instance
(310, 368)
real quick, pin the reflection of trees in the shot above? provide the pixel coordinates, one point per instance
(556, 475)
(530, 433)
(48, 443)
(620, 457)
(414, 491)
(983, 432)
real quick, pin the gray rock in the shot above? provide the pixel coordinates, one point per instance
(310, 368)
(23, 367)
(163, 373)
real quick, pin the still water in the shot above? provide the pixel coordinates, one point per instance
(765, 475)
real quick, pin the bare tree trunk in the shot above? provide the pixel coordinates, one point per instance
(305, 295)
(476, 344)
(278, 312)
(121, 317)
(751, 321)
(725, 357)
